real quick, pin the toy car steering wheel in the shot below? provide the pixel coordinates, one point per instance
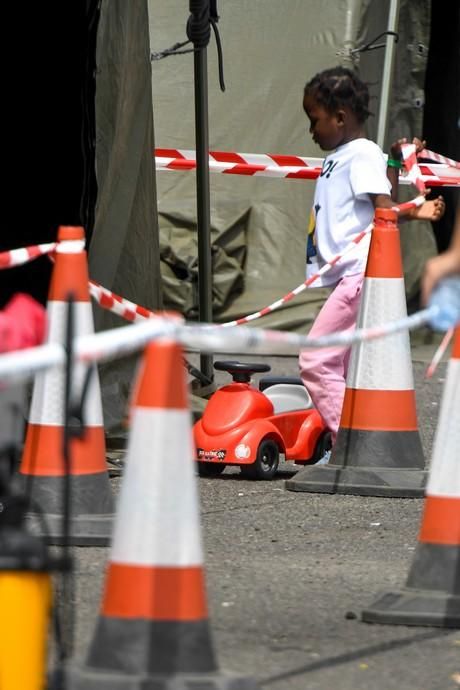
(241, 372)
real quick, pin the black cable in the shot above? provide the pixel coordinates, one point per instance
(78, 410)
(220, 56)
(370, 46)
(73, 413)
(67, 583)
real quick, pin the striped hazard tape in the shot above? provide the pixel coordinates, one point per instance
(118, 342)
(118, 305)
(133, 312)
(444, 173)
(413, 172)
(438, 158)
(17, 257)
(250, 164)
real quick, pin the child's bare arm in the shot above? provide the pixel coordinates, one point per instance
(430, 210)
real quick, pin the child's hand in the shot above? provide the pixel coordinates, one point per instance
(419, 145)
(395, 150)
(430, 210)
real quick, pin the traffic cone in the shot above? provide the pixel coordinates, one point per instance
(378, 451)
(42, 465)
(153, 629)
(432, 592)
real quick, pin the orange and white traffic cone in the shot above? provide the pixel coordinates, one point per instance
(432, 592)
(378, 451)
(153, 626)
(43, 464)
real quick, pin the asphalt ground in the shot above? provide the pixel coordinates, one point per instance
(288, 575)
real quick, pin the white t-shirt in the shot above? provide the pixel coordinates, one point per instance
(342, 208)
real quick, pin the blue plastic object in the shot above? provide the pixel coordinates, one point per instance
(446, 298)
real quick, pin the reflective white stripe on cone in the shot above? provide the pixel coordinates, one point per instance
(378, 451)
(432, 592)
(153, 628)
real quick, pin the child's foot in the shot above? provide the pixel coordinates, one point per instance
(325, 459)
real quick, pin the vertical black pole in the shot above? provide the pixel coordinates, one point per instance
(203, 198)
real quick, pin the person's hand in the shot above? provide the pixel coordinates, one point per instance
(430, 210)
(419, 145)
(395, 149)
(438, 267)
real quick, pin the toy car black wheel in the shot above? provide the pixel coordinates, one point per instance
(210, 469)
(266, 463)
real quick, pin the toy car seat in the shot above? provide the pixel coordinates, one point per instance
(287, 393)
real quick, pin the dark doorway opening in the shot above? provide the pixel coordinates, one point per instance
(49, 125)
(442, 101)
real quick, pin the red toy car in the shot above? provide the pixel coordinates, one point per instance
(252, 428)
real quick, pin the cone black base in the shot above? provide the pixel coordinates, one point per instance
(90, 679)
(360, 481)
(92, 508)
(153, 648)
(85, 530)
(362, 448)
(415, 607)
(369, 463)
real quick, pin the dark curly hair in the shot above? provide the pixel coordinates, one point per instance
(339, 87)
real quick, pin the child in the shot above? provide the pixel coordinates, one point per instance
(352, 183)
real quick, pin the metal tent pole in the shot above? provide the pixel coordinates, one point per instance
(203, 199)
(382, 125)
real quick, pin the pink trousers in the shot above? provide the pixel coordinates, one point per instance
(324, 371)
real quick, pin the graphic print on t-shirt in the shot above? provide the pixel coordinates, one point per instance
(311, 239)
(312, 254)
(327, 168)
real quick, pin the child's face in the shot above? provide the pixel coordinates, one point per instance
(326, 128)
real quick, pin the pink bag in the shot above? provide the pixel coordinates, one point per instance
(22, 323)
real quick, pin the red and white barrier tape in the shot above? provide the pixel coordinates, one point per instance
(230, 158)
(279, 166)
(133, 312)
(118, 305)
(118, 342)
(17, 257)
(300, 288)
(418, 201)
(439, 353)
(438, 158)
(250, 169)
(406, 205)
(413, 172)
